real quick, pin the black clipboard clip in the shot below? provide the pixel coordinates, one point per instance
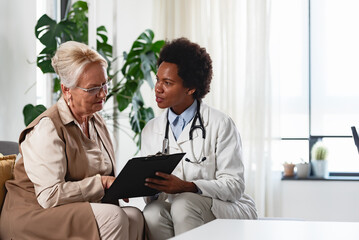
(157, 154)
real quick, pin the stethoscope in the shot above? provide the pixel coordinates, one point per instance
(193, 127)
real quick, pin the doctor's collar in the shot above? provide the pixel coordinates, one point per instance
(187, 115)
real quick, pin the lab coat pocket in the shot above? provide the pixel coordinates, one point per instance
(203, 169)
(209, 166)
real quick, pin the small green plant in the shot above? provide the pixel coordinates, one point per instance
(319, 151)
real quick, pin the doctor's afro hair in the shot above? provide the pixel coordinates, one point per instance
(193, 62)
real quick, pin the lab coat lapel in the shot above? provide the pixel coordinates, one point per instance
(160, 125)
(172, 141)
(204, 114)
(160, 128)
(184, 136)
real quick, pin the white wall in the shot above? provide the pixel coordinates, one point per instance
(17, 64)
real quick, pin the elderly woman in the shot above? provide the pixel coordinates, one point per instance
(208, 183)
(67, 162)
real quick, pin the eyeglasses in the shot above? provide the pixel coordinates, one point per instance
(96, 90)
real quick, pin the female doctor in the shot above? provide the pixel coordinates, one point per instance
(208, 183)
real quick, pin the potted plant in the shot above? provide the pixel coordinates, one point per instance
(288, 169)
(319, 160)
(303, 169)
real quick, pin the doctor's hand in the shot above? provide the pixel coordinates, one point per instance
(170, 184)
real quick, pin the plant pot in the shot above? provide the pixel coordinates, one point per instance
(288, 170)
(320, 168)
(303, 170)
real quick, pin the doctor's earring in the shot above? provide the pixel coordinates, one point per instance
(68, 102)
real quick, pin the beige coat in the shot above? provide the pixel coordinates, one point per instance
(23, 218)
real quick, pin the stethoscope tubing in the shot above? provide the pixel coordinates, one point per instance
(165, 143)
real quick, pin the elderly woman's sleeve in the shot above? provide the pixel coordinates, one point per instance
(45, 164)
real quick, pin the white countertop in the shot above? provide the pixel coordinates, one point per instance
(273, 230)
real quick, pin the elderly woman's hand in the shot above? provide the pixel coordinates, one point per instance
(107, 181)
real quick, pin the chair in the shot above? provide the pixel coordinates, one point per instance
(7, 162)
(7, 147)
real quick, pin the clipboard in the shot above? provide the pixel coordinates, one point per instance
(130, 182)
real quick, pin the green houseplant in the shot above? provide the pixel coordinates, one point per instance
(319, 151)
(319, 160)
(138, 64)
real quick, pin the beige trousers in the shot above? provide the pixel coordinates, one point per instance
(187, 211)
(116, 223)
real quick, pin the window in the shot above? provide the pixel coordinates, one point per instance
(314, 55)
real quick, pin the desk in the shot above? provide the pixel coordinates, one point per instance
(273, 230)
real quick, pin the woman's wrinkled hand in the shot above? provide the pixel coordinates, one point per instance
(107, 181)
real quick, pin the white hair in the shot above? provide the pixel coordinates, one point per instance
(70, 60)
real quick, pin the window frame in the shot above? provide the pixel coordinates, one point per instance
(312, 139)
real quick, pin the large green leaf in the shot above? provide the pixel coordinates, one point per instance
(57, 85)
(44, 60)
(46, 28)
(147, 36)
(157, 46)
(78, 15)
(122, 101)
(148, 60)
(139, 116)
(31, 112)
(49, 32)
(124, 97)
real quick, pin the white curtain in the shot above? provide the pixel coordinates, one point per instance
(214, 25)
(259, 108)
(235, 33)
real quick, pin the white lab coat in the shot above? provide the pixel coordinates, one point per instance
(220, 176)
